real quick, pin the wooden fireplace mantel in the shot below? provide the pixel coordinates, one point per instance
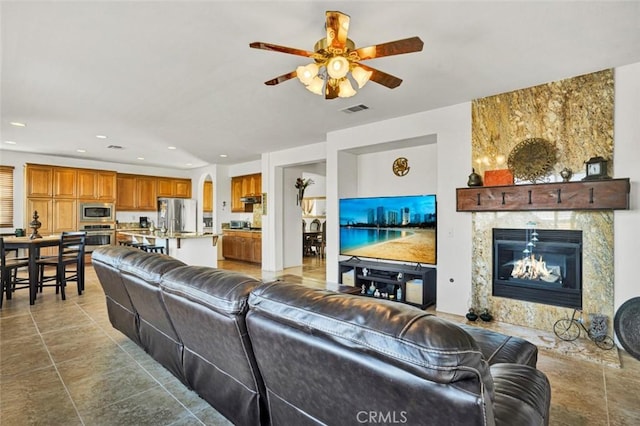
(607, 194)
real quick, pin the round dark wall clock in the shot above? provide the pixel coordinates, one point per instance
(401, 166)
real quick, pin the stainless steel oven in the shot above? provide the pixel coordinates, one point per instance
(97, 212)
(98, 235)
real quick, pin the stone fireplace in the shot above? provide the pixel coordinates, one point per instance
(576, 115)
(538, 265)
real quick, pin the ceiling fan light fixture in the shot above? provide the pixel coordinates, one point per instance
(345, 89)
(316, 85)
(361, 76)
(337, 67)
(306, 73)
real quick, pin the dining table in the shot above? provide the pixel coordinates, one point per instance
(33, 246)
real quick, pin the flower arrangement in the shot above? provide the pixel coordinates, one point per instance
(301, 185)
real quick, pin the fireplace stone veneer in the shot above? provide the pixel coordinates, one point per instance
(538, 265)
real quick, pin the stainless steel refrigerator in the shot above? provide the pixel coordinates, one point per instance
(177, 214)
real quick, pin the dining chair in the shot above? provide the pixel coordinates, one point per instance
(9, 273)
(68, 263)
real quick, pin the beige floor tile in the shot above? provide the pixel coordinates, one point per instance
(23, 354)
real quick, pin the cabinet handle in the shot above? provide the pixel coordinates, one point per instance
(478, 199)
(529, 196)
(503, 199)
(559, 200)
(590, 195)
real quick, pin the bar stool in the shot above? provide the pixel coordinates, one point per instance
(153, 249)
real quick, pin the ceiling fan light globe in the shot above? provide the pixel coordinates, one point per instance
(306, 73)
(361, 76)
(345, 89)
(338, 67)
(316, 85)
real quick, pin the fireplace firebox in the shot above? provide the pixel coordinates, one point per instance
(538, 265)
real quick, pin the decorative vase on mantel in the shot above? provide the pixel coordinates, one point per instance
(471, 315)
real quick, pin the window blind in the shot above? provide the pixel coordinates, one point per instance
(6, 196)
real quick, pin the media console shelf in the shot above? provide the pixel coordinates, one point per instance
(415, 285)
(608, 194)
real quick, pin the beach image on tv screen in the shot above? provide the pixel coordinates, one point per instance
(399, 228)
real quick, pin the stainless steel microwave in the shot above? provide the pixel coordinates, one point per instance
(97, 212)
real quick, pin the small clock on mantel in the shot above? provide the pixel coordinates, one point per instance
(596, 169)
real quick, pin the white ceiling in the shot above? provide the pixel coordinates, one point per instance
(152, 74)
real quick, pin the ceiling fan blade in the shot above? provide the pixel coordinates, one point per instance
(398, 47)
(381, 77)
(281, 78)
(337, 29)
(281, 49)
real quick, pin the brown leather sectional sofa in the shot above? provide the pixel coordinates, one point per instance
(283, 354)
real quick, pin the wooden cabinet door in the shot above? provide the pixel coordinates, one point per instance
(254, 184)
(87, 184)
(126, 192)
(44, 207)
(229, 247)
(64, 182)
(182, 188)
(105, 186)
(236, 194)
(256, 243)
(39, 181)
(64, 215)
(207, 197)
(165, 187)
(146, 193)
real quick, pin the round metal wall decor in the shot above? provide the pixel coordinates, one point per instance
(532, 159)
(401, 166)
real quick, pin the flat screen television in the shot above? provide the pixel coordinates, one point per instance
(401, 228)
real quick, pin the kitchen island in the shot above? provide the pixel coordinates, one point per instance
(193, 248)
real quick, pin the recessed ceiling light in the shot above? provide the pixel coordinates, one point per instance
(18, 124)
(81, 150)
(140, 158)
(101, 136)
(171, 147)
(223, 155)
(189, 164)
(10, 142)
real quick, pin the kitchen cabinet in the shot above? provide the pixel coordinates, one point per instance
(65, 213)
(126, 192)
(242, 186)
(44, 207)
(146, 193)
(241, 245)
(96, 185)
(64, 182)
(207, 197)
(38, 180)
(174, 187)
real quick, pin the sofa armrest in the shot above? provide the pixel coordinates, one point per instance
(499, 348)
(522, 395)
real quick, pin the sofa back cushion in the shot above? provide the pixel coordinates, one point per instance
(141, 276)
(208, 308)
(348, 356)
(106, 262)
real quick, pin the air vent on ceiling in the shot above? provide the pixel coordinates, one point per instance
(114, 147)
(355, 108)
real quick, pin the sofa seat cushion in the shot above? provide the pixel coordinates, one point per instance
(522, 395)
(500, 348)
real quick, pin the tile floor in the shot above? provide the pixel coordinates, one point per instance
(61, 363)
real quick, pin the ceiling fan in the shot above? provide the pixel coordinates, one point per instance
(336, 56)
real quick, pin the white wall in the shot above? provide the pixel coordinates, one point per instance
(451, 128)
(626, 163)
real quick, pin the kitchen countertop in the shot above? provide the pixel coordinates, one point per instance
(242, 230)
(168, 235)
